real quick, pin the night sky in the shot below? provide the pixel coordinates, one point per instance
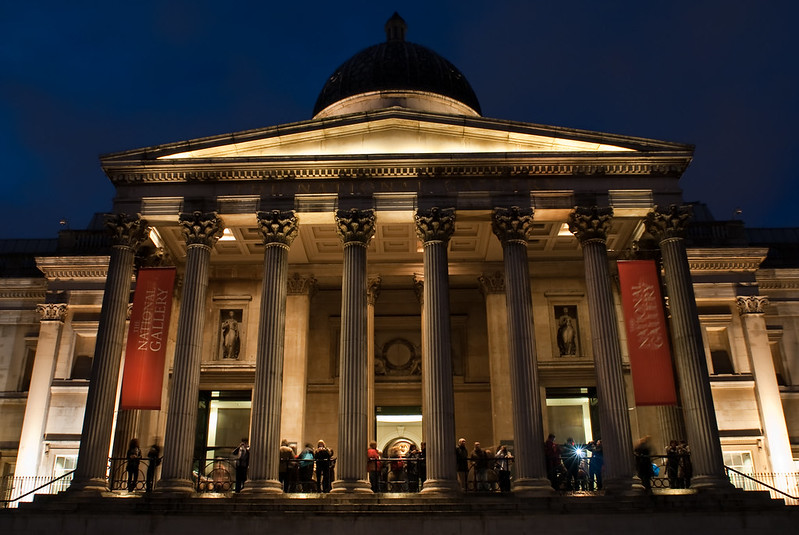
(81, 79)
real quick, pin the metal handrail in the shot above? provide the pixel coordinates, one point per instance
(778, 491)
(38, 488)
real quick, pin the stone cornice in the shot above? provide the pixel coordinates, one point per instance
(743, 259)
(23, 289)
(396, 166)
(778, 279)
(73, 267)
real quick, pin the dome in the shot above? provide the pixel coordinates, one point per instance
(397, 72)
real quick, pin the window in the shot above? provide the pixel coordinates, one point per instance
(81, 367)
(739, 460)
(63, 465)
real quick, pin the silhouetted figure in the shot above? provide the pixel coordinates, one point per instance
(133, 457)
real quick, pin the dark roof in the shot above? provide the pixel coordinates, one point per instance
(396, 64)
(782, 243)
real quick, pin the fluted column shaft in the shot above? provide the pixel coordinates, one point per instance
(278, 230)
(200, 231)
(434, 228)
(356, 228)
(512, 227)
(590, 226)
(90, 474)
(372, 292)
(689, 352)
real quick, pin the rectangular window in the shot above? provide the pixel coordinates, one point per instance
(63, 465)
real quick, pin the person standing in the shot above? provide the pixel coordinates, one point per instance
(153, 460)
(422, 464)
(322, 456)
(373, 466)
(462, 460)
(286, 470)
(306, 468)
(672, 463)
(595, 465)
(572, 457)
(553, 460)
(412, 468)
(643, 463)
(480, 459)
(133, 458)
(502, 462)
(242, 457)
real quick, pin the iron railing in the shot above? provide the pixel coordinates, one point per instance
(15, 489)
(784, 486)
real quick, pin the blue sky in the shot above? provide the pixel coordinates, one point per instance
(79, 79)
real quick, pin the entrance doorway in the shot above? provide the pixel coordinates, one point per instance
(224, 419)
(398, 426)
(572, 412)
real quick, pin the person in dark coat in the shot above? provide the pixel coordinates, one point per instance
(242, 457)
(322, 456)
(133, 457)
(462, 462)
(153, 460)
(643, 462)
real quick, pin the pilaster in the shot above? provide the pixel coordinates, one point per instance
(778, 443)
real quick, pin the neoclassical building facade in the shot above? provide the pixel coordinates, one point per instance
(398, 268)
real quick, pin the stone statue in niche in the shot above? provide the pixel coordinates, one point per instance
(230, 325)
(567, 330)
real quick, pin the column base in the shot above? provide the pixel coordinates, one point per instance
(623, 486)
(177, 486)
(441, 486)
(260, 487)
(359, 486)
(712, 484)
(532, 487)
(92, 485)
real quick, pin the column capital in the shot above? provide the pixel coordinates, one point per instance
(512, 224)
(278, 227)
(126, 230)
(355, 226)
(52, 311)
(671, 223)
(751, 304)
(435, 224)
(590, 223)
(492, 283)
(301, 284)
(373, 289)
(201, 228)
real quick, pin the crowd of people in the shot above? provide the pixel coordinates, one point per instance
(569, 466)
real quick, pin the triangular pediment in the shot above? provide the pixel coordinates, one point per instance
(397, 131)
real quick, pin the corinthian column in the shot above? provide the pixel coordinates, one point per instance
(201, 231)
(689, 351)
(512, 227)
(278, 230)
(355, 228)
(434, 228)
(127, 233)
(33, 425)
(767, 390)
(590, 226)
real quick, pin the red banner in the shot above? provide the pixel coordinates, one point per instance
(145, 354)
(647, 338)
